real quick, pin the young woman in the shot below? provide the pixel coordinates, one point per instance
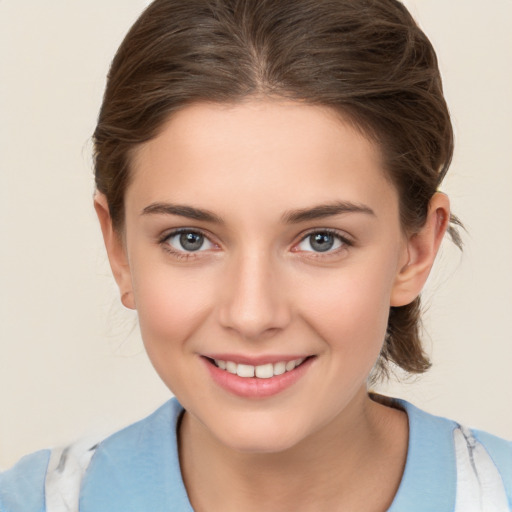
(267, 181)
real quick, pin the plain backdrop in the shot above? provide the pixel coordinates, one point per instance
(71, 362)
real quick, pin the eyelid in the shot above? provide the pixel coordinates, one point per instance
(341, 236)
(183, 254)
(178, 231)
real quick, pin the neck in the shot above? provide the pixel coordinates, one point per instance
(353, 463)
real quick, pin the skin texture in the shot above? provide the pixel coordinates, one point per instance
(257, 287)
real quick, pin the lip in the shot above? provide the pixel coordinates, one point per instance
(257, 360)
(253, 387)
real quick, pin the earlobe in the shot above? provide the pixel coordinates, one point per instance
(422, 249)
(116, 251)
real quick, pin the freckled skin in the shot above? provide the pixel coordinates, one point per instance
(257, 286)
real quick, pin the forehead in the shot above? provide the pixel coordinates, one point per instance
(286, 153)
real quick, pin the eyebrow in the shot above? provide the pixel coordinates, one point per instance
(183, 211)
(325, 210)
(290, 217)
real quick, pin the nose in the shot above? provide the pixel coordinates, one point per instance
(254, 299)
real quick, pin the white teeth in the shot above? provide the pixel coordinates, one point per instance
(230, 366)
(263, 371)
(245, 370)
(279, 368)
(290, 365)
(221, 364)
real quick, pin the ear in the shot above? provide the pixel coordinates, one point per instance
(422, 249)
(116, 251)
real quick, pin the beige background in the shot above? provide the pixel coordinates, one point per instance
(71, 363)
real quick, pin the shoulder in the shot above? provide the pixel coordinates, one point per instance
(22, 486)
(470, 465)
(500, 452)
(103, 476)
(138, 468)
(498, 449)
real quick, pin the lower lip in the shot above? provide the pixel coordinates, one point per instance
(253, 387)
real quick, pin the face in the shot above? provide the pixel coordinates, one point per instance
(263, 246)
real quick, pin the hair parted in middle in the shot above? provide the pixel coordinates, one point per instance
(366, 59)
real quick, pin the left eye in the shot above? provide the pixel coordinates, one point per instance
(188, 241)
(321, 241)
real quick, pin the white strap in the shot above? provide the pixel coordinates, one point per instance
(480, 487)
(66, 469)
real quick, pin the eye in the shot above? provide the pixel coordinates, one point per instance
(323, 241)
(187, 240)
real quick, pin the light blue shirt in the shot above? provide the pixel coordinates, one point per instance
(137, 469)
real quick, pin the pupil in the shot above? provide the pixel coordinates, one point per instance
(322, 242)
(191, 241)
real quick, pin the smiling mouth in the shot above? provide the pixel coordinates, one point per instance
(263, 371)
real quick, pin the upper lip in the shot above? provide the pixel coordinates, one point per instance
(256, 360)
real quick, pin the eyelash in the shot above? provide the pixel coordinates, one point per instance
(180, 255)
(345, 242)
(184, 255)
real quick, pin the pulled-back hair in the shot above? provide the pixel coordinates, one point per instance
(366, 59)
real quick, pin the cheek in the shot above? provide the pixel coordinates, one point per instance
(170, 305)
(350, 311)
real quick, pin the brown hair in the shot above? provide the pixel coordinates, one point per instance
(367, 59)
